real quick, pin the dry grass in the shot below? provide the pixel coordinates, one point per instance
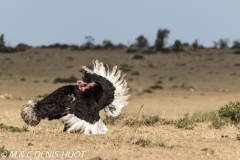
(207, 80)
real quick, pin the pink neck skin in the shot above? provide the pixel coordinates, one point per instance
(82, 86)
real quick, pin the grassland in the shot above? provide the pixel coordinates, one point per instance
(167, 85)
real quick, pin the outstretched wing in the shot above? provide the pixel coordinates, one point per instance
(56, 104)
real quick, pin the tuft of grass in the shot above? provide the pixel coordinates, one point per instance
(70, 58)
(155, 87)
(125, 68)
(204, 149)
(145, 120)
(185, 122)
(142, 142)
(238, 137)
(135, 73)
(13, 128)
(132, 122)
(237, 64)
(224, 136)
(130, 50)
(150, 120)
(23, 79)
(69, 67)
(71, 79)
(160, 144)
(203, 117)
(151, 66)
(4, 152)
(163, 144)
(110, 120)
(147, 91)
(96, 158)
(217, 122)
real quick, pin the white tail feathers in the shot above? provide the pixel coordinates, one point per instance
(118, 81)
(78, 125)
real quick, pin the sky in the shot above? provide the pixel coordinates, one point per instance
(44, 22)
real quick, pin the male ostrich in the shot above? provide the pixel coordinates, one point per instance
(78, 106)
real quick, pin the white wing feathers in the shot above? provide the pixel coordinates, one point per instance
(118, 81)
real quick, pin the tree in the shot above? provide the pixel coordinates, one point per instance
(141, 41)
(222, 43)
(236, 44)
(2, 42)
(89, 42)
(177, 46)
(195, 44)
(107, 44)
(162, 35)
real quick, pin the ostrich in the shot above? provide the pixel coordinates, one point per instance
(78, 106)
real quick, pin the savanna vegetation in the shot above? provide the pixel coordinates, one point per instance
(184, 100)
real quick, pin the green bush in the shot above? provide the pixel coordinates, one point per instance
(22, 47)
(107, 44)
(141, 41)
(230, 111)
(237, 52)
(5, 49)
(75, 48)
(177, 46)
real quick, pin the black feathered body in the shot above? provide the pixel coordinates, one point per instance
(56, 104)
